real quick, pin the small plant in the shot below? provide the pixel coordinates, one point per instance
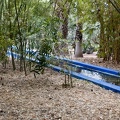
(68, 78)
(68, 81)
(40, 66)
(41, 60)
(66, 70)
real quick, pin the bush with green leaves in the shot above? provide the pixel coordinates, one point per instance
(4, 44)
(45, 49)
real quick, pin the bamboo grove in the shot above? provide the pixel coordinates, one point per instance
(109, 19)
(26, 23)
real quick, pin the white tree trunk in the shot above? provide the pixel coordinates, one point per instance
(78, 49)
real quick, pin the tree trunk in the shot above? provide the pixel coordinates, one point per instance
(62, 11)
(78, 49)
(20, 35)
(24, 61)
(11, 36)
(13, 60)
(78, 41)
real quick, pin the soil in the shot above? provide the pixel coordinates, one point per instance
(45, 98)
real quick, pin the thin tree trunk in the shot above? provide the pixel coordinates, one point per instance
(11, 35)
(13, 60)
(20, 37)
(29, 55)
(25, 60)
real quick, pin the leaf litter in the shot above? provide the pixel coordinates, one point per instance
(43, 98)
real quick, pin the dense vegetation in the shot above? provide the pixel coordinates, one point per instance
(53, 24)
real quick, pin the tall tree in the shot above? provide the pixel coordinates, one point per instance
(62, 9)
(78, 41)
(109, 19)
(78, 35)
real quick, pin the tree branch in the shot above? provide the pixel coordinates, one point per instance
(115, 5)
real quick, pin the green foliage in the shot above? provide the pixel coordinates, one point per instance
(35, 25)
(109, 19)
(40, 67)
(45, 47)
(44, 51)
(4, 44)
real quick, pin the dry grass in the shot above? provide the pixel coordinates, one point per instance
(26, 98)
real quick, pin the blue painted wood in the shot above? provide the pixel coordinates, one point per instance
(101, 83)
(79, 76)
(90, 66)
(86, 65)
(94, 70)
(16, 56)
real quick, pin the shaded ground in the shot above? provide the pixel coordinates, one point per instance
(43, 98)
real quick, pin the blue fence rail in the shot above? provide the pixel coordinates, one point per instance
(90, 66)
(79, 76)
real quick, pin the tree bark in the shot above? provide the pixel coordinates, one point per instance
(13, 60)
(78, 41)
(78, 49)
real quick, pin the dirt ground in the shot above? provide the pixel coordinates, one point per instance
(92, 58)
(43, 98)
